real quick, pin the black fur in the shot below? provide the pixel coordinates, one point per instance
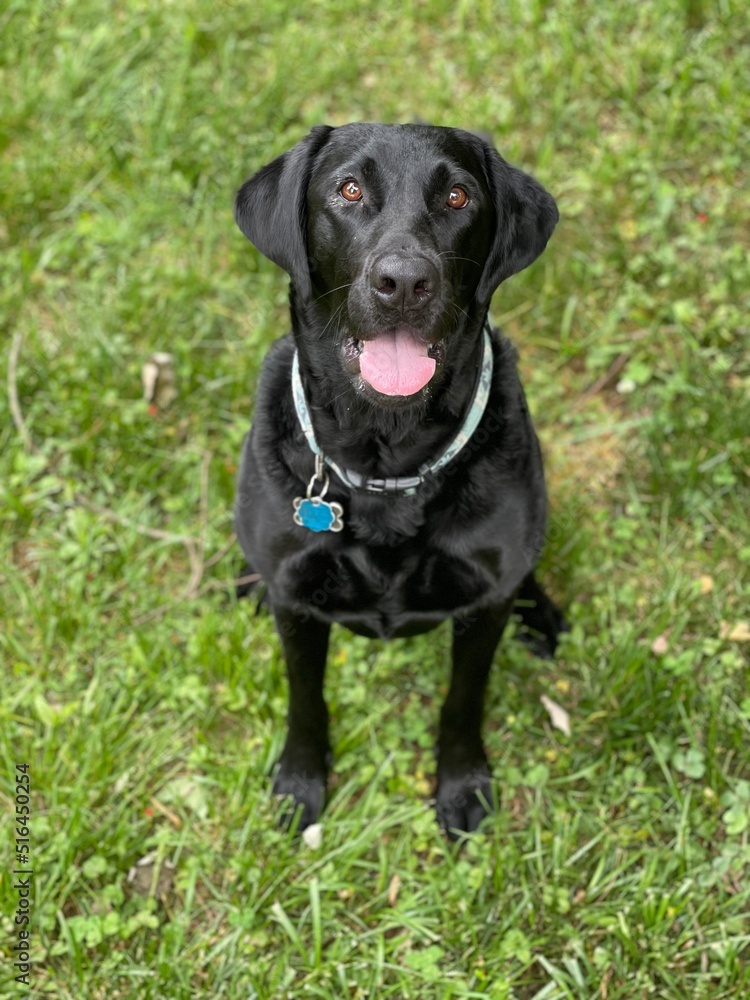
(465, 546)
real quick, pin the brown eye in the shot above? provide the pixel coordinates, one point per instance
(458, 198)
(351, 191)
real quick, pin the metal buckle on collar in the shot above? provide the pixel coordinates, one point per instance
(392, 485)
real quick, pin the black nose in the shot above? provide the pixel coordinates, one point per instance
(403, 282)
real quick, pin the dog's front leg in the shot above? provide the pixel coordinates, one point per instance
(303, 767)
(464, 786)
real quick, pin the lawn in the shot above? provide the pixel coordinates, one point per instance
(148, 705)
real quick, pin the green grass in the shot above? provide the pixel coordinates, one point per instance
(151, 711)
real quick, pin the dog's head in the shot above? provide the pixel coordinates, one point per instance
(395, 238)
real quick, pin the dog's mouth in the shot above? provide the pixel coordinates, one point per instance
(396, 362)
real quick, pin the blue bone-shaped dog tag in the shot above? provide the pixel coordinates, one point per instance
(318, 514)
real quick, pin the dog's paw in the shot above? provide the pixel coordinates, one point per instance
(303, 795)
(464, 798)
(544, 643)
(540, 620)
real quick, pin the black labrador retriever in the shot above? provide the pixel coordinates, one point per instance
(392, 477)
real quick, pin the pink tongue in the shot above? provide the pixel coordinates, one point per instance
(396, 363)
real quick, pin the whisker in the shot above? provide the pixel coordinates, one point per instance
(454, 256)
(334, 316)
(340, 287)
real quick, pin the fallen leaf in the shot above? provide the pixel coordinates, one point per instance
(558, 716)
(707, 584)
(737, 632)
(158, 380)
(660, 645)
(393, 888)
(313, 835)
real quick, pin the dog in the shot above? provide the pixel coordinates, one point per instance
(392, 478)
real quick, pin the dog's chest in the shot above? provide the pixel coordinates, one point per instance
(386, 592)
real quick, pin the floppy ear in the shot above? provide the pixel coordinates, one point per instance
(270, 207)
(525, 215)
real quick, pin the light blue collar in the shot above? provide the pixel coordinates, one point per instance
(400, 485)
